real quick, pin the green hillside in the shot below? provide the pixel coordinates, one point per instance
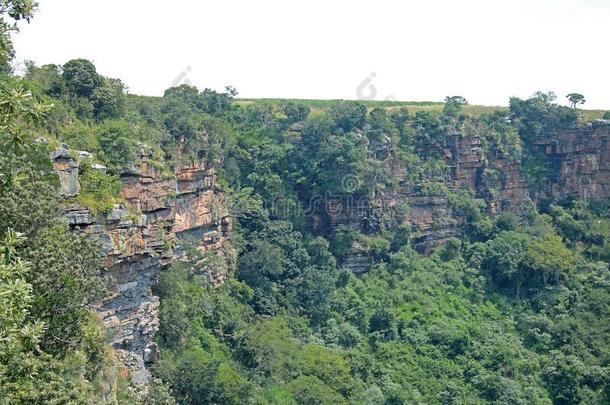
(462, 299)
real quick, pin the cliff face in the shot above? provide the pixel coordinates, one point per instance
(142, 237)
(578, 160)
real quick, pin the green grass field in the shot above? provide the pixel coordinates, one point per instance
(318, 106)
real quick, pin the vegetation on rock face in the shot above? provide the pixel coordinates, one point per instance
(98, 191)
(512, 310)
(496, 315)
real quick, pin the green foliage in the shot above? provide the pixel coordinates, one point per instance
(505, 256)
(80, 136)
(295, 112)
(78, 89)
(117, 147)
(456, 325)
(428, 130)
(27, 373)
(536, 168)
(509, 309)
(575, 99)
(98, 191)
(81, 77)
(208, 101)
(310, 390)
(348, 116)
(539, 116)
(475, 322)
(11, 13)
(196, 377)
(51, 349)
(107, 99)
(453, 105)
(66, 276)
(500, 135)
(47, 79)
(329, 158)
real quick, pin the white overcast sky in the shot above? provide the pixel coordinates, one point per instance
(485, 50)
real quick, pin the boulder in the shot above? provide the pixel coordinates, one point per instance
(600, 122)
(151, 353)
(61, 152)
(99, 167)
(78, 215)
(116, 213)
(83, 154)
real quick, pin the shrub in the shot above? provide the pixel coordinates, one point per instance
(99, 191)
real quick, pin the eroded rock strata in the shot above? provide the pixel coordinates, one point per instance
(579, 161)
(141, 238)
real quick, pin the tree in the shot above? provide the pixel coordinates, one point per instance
(428, 130)
(262, 268)
(47, 77)
(575, 99)
(564, 375)
(312, 391)
(63, 275)
(185, 92)
(12, 11)
(348, 115)
(107, 99)
(209, 101)
(504, 259)
(540, 116)
(27, 374)
(199, 377)
(21, 158)
(295, 112)
(549, 259)
(453, 105)
(81, 77)
(16, 333)
(117, 147)
(312, 290)
(399, 118)
(381, 125)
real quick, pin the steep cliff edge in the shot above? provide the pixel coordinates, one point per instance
(143, 235)
(141, 238)
(580, 162)
(577, 160)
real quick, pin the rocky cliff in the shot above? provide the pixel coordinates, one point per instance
(578, 163)
(142, 236)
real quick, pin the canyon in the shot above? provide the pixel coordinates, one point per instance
(143, 236)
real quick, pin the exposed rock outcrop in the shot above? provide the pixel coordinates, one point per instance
(67, 170)
(579, 161)
(139, 239)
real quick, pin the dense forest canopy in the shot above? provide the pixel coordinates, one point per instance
(513, 310)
